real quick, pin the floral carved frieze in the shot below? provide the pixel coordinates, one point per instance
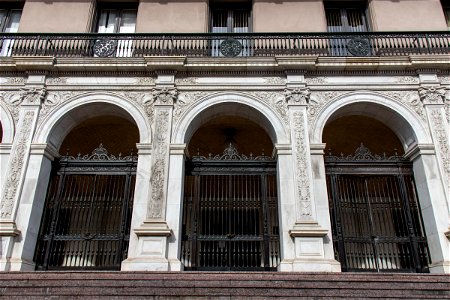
(302, 169)
(159, 162)
(432, 95)
(16, 165)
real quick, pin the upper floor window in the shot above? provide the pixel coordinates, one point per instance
(346, 16)
(446, 7)
(230, 17)
(117, 18)
(10, 18)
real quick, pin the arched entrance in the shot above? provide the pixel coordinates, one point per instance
(88, 207)
(374, 207)
(230, 206)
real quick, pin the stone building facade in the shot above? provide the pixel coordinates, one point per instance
(300, 110)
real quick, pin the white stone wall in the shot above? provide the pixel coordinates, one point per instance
(292, 107)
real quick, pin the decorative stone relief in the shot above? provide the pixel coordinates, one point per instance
(315, 80)
(159, 161)
(297, 95)
(407, 79)
(16, 165)
(302, 170)
(318, 100)
(409, 98)
(444, 79)
(32, 95)
(15, 81)
(189, 99)
(186, 80)
(11, 100)
(439, 125)
(52, 100)
(164, 96)
(275, 80)
(56, 80)
(432, 95)
(145, 81)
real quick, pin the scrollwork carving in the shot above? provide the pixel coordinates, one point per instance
(297, 95)
(302, 167)
(32, 95)
(441, 135)
(432, 95)
(16, 165)
(158, 176)
(165, 96)
(15, 81)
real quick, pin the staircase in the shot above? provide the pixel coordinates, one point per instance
(221, 285)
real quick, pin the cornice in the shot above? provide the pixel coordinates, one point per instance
(222, 64)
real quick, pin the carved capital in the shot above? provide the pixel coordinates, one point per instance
(299, 96)
(32, 96)
(165, 96)
(432, 95)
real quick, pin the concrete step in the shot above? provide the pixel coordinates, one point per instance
(222, 285)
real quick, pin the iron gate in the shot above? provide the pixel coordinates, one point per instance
(375, 213)
(230, 213)
(87, 213)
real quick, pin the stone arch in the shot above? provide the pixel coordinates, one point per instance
(7, 125)
(51, 132)
(60, 122)
(409, 128)
(415, 138)
(234, 104)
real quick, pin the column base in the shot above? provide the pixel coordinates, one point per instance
(10, 265)
(309, 265)
(442, 267)
(151, 253)
(145, 264)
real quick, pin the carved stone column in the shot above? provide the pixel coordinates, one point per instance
(308, 235)
(154, 232)
(29, 100)
(432, 96)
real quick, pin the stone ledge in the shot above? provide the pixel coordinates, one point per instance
(308, 229)
(8, 228)
(184, 63)
(153, 228)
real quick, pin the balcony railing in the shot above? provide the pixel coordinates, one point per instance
(225, 45)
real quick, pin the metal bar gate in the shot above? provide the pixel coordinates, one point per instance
(375, 213)
(230, 213)
(87, 213)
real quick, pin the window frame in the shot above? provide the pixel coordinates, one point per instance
(344, 7)
(119, 7)
(9, 8)
(230, 9)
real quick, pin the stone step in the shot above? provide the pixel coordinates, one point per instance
(222, 285)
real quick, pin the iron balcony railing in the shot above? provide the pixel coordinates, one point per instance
(225, 45)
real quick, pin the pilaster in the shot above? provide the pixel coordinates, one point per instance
(29, 101)
(307, 233)
(153, 232)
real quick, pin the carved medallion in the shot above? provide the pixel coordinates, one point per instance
(358, 46)
(230, 47)
(105, 47)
